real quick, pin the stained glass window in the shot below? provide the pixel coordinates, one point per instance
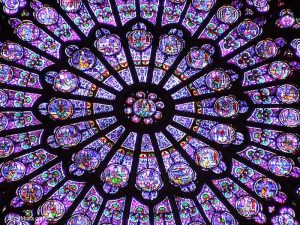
(142, 112)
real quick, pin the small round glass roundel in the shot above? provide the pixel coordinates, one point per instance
(181, 174)
(6, 147)
(65, 82)
(288, 142)
(60, 109)
(144, 108)
(31, 192)
(13, 171)
(53, 210)
(47, 16)
(207, 157)
(280, 165)
(227, 14)
(290, 117)
(28, 32)
(12, 51)
(79, 220)
(115, 175)
(109, 45)
(247, 206)
(87, 159)
(203, 5)
(217, 80)
(171, 44)
(223, 218)
(266, 188)
(226, 106)
(3, 98)
(148, 180)
(83, 59)
(6, 73)
(70, 5)
(248, 30)
(223, 134)
(279, 70)
(287, 94)
(67, 136)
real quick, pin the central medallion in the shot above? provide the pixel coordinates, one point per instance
(144, 107)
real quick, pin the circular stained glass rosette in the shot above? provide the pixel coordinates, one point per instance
(149, 112)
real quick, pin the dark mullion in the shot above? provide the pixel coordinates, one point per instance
(10, 188)
(75, 204)
(207, 19)
(132, 176)
(174, 208)
(86, 43)
(104, 164)
(270, 126)
(121, 31)
(201, 211)
(168, 188)
(184, 12)
(100, 212)
(128, 56)
(240, 219)
(21, 130)
(207, 117)
(199, 74)
(155, 42)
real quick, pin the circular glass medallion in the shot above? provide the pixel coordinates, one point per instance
(226, 106)
(217, 80)
(30, 192)
(115, 175)
(6, 73)
(87, 159)
(53, 210)
(13, 171)
(70, 5)
(207, 157)
(223, 218)
(266, 49)
(197, 58)
(148, 180)
(83, 59)
(3, 98)
(288, 142)
(203, 5)
(247, 206)
(144, 108)
(279, 70)
(228, 14)
(3, 122)
(181, 174)
(47, 16)
(11, 51)
(60, 109)
(280, 166)
(265, 188)
(223, 134)
(6, 147)
(289, 117)
(65, 82)
(171, 44)
(109, 45)
(79, 220)
(139, 40)
(248, 30)
(287, 93)
(28, 32)
(67, 136)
